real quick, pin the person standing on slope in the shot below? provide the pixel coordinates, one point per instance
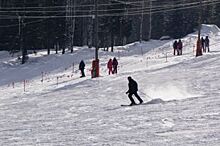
(207, 43)
(180, 47)
(175, 44)
(81, 68)
(115, 65)
(132, 90)
(203, 44)
(109, 65)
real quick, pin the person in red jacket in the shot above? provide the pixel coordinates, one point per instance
(109, 65)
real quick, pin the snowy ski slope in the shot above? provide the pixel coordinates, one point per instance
(65, 110)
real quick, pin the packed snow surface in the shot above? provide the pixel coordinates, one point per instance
(45, 103)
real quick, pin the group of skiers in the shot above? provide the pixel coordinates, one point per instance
(178, 47)
(112, 66)
(205, 44)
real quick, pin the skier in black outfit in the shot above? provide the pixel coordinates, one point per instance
(81, 68)
(203, 44)
(175, 45)
(133, 88)
(115, 66)
(207, 43)
(179, 47)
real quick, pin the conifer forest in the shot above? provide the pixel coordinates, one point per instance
(50, 24)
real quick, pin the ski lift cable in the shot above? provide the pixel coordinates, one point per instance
(12, 25)
(64, 6)
(92, 10)
(164, 7)
(77, 6)
(81, 6)
(26, 23)
(154, 12)
(174, 9)
(116, 14)
(152, 8)
(100, 10)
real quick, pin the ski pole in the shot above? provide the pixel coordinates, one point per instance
(146, 95)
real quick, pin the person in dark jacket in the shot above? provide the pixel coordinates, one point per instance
(132, 90)
(81, 68)
(175, 44)
(207, 43)
(203, 44)
(180, 47)
(115, 65)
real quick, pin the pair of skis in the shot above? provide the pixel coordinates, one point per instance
(153, 101)
(132, 104)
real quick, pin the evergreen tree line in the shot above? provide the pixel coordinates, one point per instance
(119, 22)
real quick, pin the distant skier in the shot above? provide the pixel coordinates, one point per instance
(175, 47)
(180, 47)
(115, 65)
(203, 44)
(81, 68)
(207, 43)
(132, 89)
(109, 65)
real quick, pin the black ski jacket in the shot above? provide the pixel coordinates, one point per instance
(81, 65)
(132, 86)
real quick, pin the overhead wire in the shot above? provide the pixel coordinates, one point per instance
(91, 10)
(175, 7)
(152, 12)
(16, 9)
(64, 6)
(32, 22)
(130, 11)
(81, 6)
(88, 10)
(25, 23)
(180, 8)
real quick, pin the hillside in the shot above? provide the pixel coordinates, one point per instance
(67, 110)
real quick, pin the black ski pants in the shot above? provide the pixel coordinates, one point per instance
(82, 73)
(136, 95)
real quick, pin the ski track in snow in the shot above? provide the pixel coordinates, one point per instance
(84, 111)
